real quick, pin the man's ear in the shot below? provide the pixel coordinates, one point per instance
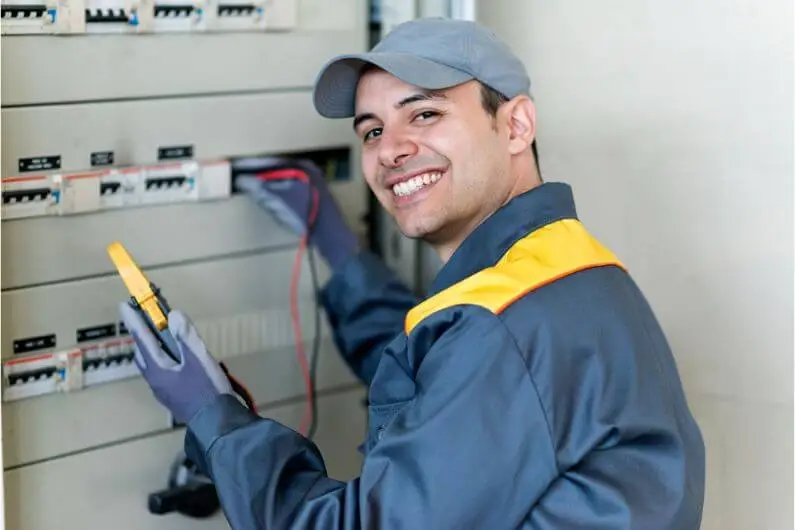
(520, 113)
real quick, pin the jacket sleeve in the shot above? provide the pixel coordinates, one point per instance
(472, 449)
(366, 305)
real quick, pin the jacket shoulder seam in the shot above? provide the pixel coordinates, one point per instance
(518, 352)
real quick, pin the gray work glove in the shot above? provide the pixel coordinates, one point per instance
(286, 189)
(182, 387)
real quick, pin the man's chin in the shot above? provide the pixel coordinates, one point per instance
(409, 228)
(415, 229)
(423, 221)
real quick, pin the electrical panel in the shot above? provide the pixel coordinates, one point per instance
(112, 134)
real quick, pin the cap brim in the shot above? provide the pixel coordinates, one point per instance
(335, 87)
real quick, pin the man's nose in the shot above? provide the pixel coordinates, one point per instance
(396, 148)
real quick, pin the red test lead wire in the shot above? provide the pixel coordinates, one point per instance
(286, 174)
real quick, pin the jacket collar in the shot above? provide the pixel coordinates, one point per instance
(526, 213)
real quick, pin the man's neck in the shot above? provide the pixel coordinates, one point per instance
(448, 246)
(446, 249)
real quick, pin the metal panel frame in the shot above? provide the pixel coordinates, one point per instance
(107, 488)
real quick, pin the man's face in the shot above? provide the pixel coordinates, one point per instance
(437, 162)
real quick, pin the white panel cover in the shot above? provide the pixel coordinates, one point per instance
(205, 290)
(216, 127)
(96, 67)
(108, 488)
(49, 249)
(51, 426)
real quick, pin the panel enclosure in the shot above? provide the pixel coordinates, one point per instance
(173, 64)
(138, 132)
(124, 98)
(107, 488)
(34, 250)
(120, 411)
(242, 319)
(210, 289)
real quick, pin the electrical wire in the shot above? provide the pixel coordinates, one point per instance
(239, 388)
(316, 338)
(309, 421)
(316, 344)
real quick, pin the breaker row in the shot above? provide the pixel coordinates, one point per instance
(104, 353)
(46, 327)
(146, 16)
(73, 193)
(68, 371)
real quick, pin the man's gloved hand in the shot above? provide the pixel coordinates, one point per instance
(289, 200)
(184, 387)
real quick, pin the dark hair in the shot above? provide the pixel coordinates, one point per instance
(492, 100)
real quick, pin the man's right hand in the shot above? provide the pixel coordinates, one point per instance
(284, 188)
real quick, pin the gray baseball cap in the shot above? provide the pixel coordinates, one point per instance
(430, 53)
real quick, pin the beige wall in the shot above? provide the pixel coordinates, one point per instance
(674, 123)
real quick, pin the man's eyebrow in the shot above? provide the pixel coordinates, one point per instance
(362, 117)
(425, 95)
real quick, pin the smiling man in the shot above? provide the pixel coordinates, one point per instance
(532, 388)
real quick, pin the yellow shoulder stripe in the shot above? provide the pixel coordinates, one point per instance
(544, 256)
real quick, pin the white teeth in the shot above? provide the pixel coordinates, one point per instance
(408, 187)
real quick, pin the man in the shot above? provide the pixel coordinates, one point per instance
(533, 388)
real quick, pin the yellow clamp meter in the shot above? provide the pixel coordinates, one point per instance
(144, 296)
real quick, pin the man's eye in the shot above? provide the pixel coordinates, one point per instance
(372, 133)
(427, 114)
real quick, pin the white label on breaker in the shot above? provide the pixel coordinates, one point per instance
(80, 193)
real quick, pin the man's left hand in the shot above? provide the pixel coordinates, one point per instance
(182, 387)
